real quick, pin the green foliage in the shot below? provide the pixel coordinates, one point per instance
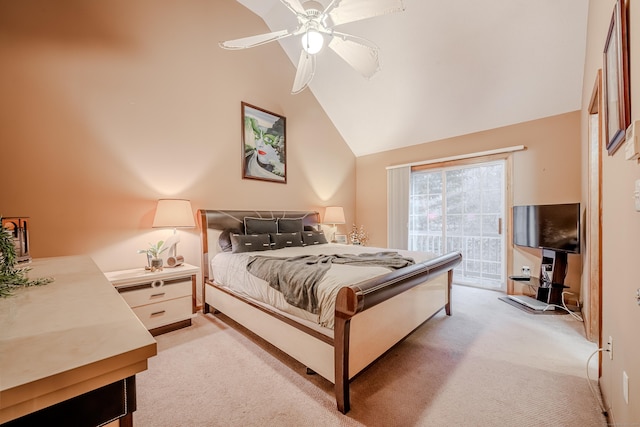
(11, 277)
(153, 251)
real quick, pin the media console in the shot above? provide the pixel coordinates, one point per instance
(555, 229)
(553, 268)
(548, 293)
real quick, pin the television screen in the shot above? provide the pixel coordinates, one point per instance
(554, 227)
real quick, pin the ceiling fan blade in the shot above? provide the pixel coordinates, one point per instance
(252, 41)
(306, 70)
(294, 5)
(360, 53)
(345, 11)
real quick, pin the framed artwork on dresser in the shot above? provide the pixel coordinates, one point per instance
(264, 153)
(341, 238)
(615, 76)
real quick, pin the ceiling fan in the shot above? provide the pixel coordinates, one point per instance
(315, 26)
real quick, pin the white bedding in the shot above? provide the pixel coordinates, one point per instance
(230, 271)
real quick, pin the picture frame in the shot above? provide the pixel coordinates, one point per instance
(264, 154)
(341, 238)
(615, 74)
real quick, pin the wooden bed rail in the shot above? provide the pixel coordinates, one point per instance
(364, 295)
(355, 298)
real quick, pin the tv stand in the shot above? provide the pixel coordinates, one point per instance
(553, 268)
(550, 285)
(548, 293)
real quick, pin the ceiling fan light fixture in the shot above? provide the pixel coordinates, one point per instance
(315, 23)
(312, 41)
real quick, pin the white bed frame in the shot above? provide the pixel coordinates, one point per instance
(370, 317)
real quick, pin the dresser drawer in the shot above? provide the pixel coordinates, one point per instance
(149, 295)
(160, 314)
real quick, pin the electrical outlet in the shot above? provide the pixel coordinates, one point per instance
(610, 347)
(625, 386)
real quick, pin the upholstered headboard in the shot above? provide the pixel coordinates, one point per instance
(213, 222)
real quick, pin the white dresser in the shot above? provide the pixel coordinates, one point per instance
(69, 350)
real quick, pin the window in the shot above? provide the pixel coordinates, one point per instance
(461, 208)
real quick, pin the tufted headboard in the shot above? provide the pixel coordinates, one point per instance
(212, 222)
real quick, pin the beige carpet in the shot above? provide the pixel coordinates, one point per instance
(490, 364)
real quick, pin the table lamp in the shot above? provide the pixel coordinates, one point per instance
(334, 215)
(173, 213)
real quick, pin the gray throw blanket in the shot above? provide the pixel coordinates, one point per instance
(297, 277)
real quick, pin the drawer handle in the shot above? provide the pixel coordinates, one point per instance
(161, 294)
(157, 313)
(157, 283)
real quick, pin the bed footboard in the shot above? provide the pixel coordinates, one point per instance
(360, 297)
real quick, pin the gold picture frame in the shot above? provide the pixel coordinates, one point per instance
(615, 74)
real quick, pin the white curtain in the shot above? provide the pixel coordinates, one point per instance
(398, 187)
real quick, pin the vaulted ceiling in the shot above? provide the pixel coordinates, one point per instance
(449, 68)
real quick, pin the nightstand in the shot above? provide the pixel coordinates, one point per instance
(162, 300)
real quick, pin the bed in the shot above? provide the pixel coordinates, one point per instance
(360, 319)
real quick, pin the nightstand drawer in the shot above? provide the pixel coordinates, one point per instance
(163, 300)
(149, 295)
(155, 315)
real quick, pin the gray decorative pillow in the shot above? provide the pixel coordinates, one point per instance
(225, 239)
(249, 243)
(290, 225)
(285, 240)
(260, 225)
(311, 238)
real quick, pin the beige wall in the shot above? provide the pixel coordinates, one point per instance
(108, 106)
(548, 171)
(620, 228)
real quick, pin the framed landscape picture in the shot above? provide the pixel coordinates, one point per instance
(615, 74)
(264, 149)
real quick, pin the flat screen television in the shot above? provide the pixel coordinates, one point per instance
(555, 227)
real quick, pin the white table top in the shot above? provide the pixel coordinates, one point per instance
(65, 338)
(137, 275)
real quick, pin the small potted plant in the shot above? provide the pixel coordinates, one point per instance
(154, 262)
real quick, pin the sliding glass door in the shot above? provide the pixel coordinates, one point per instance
(462, 208)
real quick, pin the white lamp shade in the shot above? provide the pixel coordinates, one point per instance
(334, 215)
(173, 213)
